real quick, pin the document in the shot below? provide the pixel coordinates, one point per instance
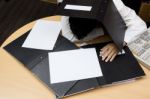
(78, 7)
(43, 35)
(140, 46)
(74, 65)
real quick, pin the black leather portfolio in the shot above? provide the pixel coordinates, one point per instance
(124, 66)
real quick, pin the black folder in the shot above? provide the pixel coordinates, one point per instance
(97, 12)
(104, 11)
(124, 66)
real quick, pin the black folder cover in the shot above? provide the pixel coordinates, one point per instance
(97, 12)
(124, 67)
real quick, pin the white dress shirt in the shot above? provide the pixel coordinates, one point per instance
(135, 25)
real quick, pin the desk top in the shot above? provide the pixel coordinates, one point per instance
(16, 82)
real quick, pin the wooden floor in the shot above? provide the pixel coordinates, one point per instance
(16, 13)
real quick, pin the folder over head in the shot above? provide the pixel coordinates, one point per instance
(104, 11)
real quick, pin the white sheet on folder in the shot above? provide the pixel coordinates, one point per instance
(73, 65)
(78, 7)
(43, 35)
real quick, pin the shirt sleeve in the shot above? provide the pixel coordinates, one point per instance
(66, 31)
(135, 25)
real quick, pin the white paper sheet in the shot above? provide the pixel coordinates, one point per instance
(43, 35)
(74, 65)
(78, 7)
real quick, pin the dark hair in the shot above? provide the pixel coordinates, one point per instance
(82, 26)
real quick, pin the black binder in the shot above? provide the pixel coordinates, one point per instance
(97, 12)
(104, 11)
(124, 66)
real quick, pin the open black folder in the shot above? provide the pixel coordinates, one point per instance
(124, 67)
(104, 11)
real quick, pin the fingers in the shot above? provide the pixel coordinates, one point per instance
(109, 52)
(110, 56)
(105, 54)
(113, 57)
(104, 50)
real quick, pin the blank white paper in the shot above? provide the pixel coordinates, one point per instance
(43, 35)
(73, 65)
(78, 7)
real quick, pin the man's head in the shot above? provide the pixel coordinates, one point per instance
(81, 27)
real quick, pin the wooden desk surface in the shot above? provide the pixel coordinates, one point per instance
(16, 82)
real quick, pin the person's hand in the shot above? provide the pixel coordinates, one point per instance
(109, 52)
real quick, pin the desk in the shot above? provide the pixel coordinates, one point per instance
(16, 82)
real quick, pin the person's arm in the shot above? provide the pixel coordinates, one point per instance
(135, 25)
(66, 31)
